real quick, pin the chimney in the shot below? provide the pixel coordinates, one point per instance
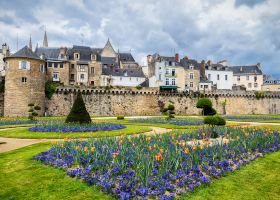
(177, 57)
(241, 69)
(259, 65)
(5, 50)
(202, 70)
(62, 52)
(186, 58)
(209, 62)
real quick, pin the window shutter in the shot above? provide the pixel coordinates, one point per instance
(28, 65)
(19, 64)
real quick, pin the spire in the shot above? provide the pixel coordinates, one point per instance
(45, 42)
(30, 43)
(108, 50)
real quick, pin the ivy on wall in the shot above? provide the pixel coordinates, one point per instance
(50, 88)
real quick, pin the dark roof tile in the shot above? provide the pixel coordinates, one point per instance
(25, 52)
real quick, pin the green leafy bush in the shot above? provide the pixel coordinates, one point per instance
(138, 87)
(206, 105)
(78, 113)
(120, 117)
(259, 95)
(50, 88)
(213, 121)
(169, 111)
(32, 111)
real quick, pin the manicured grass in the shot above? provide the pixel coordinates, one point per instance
(24, 178)
(15, 126)
(24, 133)
(258, 180)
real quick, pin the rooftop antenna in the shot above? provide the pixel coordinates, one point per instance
(82, 35)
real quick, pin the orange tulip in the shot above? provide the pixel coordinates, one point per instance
(92, 149)
(85, 149)
(186, 150)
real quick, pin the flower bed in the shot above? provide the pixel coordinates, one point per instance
(178, 122)
(248, 117)
(16, 122)
(77, 128)
(160, 166)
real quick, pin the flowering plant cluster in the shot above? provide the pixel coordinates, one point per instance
(178, 122)
(159, 166)
(16, 122)
(250, 117)
(60, 126)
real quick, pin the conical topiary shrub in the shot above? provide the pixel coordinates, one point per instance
(78, 113)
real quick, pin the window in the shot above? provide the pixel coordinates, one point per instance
(72, 66)
(167, 81)
(226, 77)
(82, 68)
(130, 78)
(92, 70)
(255, 85)
(191, 76)
(205, 86)
(93, 57)
(82, 76)
(24, 65)
(191, 84)
(255, 78)
(55, 76)
(201, 86)
(92, 82)
(61, 65)
(249, 85)
(247, 78)
(173, 81)
(173, 72)
(137, 79)
(209, 77)
(42, 68)
(167, 71)
(23, 79)
(159, 77)
(49, 64)
(238, 78)
(170, 63)
(191, 66)
(55, 65)
(218, 76)
(76, 56)
(120, 78)
(72, 76)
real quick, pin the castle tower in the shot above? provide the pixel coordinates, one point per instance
(24, 83)
(45, 42)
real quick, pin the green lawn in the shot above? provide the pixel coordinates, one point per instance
(23, 178)
(15, 126)
(24, 133)
(258, 180)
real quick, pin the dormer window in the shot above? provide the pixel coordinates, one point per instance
(191, 66)
(93, 57)
(76, 56)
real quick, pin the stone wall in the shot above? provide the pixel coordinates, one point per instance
(146, 102)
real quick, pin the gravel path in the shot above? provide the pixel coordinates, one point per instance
(8, 144)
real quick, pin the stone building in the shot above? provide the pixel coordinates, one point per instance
(249, 76)
(192, 74)
(271, 85)
(24, 83)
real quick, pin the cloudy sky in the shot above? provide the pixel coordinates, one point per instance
(240, 31)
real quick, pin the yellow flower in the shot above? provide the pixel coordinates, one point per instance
(77, 147)
(186, 150)
(150, 148)
(62, 145)
(201, 147)
(92, 149)
(161, 150)
(85, 149)
(159, 157)
(155, 146)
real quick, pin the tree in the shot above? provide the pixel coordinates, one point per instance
(169, 111)
(213, 121)
(206, 105)
(33, 111)
(78, 113)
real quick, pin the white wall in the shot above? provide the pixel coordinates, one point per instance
(127, 81)
(249, 81)
(2, 65)
(222, 84)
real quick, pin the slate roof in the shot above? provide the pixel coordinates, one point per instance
(25, 52)
(246, 70)
(272, 82)
(121, 72)
(84, 51)
(48, 52)
(126, 57)
(187, 62)
(108, 60)
(218, 67)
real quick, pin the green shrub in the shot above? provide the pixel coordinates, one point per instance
(78, 113)
(2, 86)
(32, 111)
(213, 121)
(209, 111)
(50, 88)
(204, 102)
(120, 117)
(37, 107)
(31, 104)
(138, 87)
(169, 111)
(259, 95)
